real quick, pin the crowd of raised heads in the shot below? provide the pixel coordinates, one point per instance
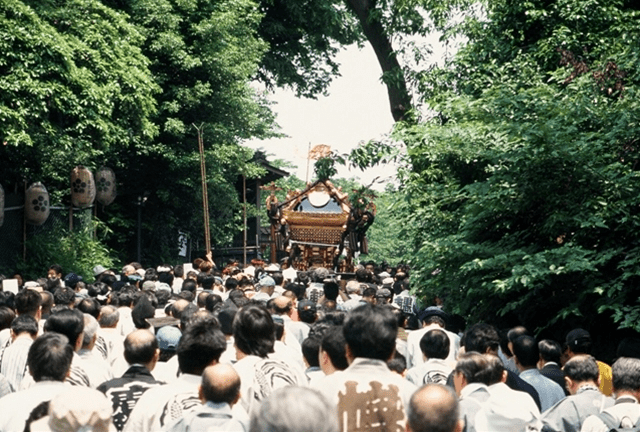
(266, 348)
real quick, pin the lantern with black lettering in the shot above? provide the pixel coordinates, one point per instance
(36, 204)
(83, 188)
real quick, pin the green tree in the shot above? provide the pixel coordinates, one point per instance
(523, 189)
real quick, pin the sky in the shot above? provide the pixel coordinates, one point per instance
(356, 109)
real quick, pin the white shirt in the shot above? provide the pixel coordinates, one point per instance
(16, 407)
(415, 357)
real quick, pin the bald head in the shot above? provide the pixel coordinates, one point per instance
(220, 383)
(141, 347)
(282, 305)
(434, 408)
(178, 307)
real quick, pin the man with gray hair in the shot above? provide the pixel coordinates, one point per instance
(294, 409)
(434, 408)
(95, 365)
(626, 411)
(108, 320)
(568, 415)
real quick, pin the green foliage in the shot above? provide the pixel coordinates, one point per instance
(389, 239)
(523, 195)
(77, 251)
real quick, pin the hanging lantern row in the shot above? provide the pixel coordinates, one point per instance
(84, 191)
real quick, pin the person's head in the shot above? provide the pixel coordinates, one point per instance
(433, 408)
(141, 346)
(578, 341)
(283, 305)
(495, 369)
(435, 344)
(109, 317)
(212, 302)
(64, 297)
(208, 280)
(580, 370)
(7, 315)
(550, 351)
(201, 345)
(525, 349)
(89, 306)
(331, 289)
(49, 357)
(626, 375)
(189, 285)
(47, 303)
(482, 338)
(311, 351)
(231, 284)
(472, 367)
(629, 347)
(307, 311)
(295, 409)
(69, 322)
(254, 331)
(55, 272)
(319, 274)
(370, 331)
(24, 324)
(333, 350)
(220, 384)
(168, 338)
(90, 331)
(226, 317)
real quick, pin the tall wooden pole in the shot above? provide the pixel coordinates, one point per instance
(244, 205)
(205, 196)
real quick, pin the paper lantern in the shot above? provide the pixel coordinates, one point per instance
(83, 188)
(105, 186)
(36, 204)
(1, 205)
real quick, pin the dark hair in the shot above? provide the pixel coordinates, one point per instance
(217, 393)
(178, 271)
(108, 279)
(397, 364)
(24, 324)
(362, 275)
(151, 274)
(208, 280)
(310, 351)
(189, 285)
(187, 314)
(481, 337)
(7, 315)
(550, 350)
(525, 348)
(474, 367)
(165, 277)
(626, 374)
(629, 347)
(64, 296)
(331, 290)
(494, 369)
(49, 357)
(89, 306)
(371, 331)
(27, 301)
(226, 317)
(231, 283)
(254, 331)
(52, 284)
(142, 311)
(69, 322)
(213, 302)
(201, 343)
(334, 344)
(7, 299)
(56, 267)
(125, 296)
(435, 344)
(139, 351)
(582, 368)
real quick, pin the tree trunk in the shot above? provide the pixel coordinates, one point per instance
(399, 98)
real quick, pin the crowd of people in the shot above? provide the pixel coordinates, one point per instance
(266, 348)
